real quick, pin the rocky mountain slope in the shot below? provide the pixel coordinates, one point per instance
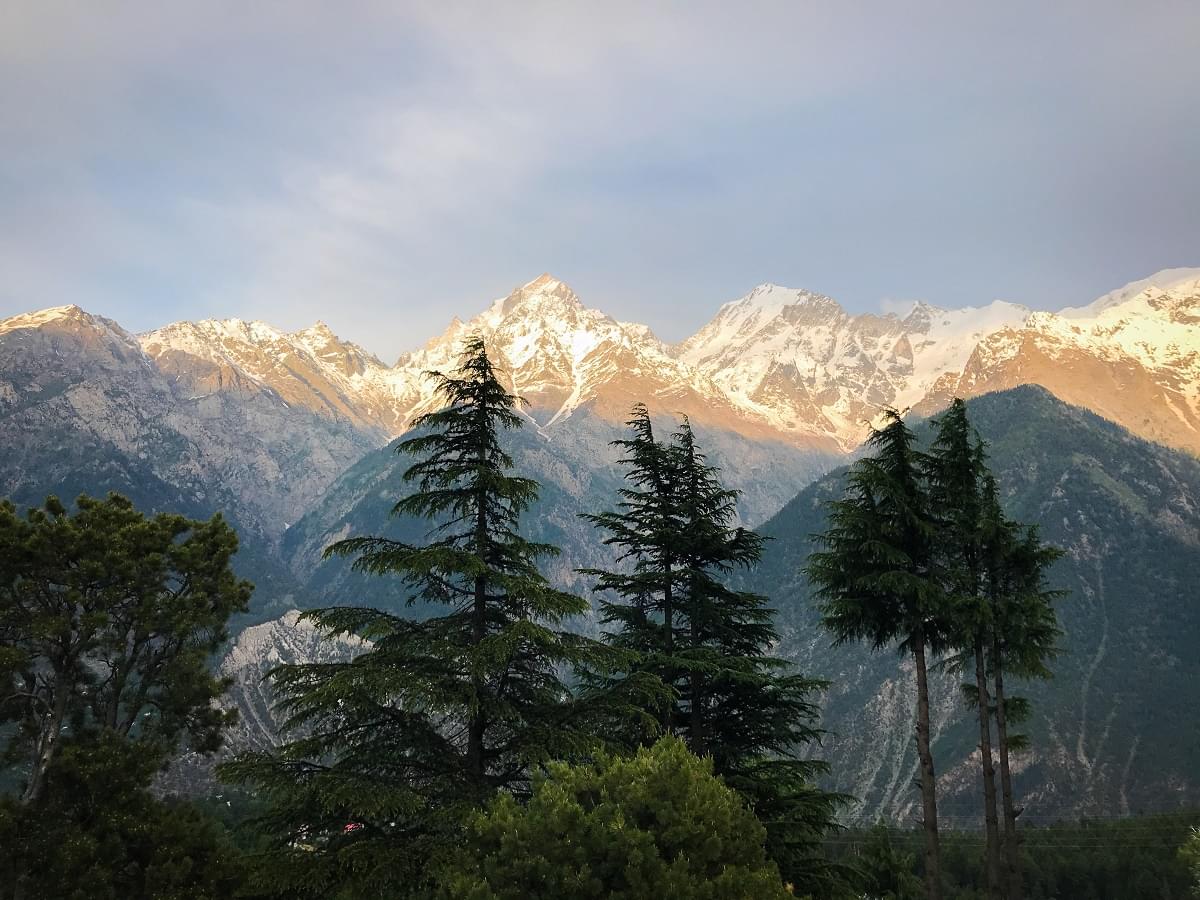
(288, 435)
(1115, 731)
(283, 431)
(1112, 733)
(1133, 356)
(576, 468)
(84, 405)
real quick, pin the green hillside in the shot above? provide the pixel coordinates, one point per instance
(1118, 729)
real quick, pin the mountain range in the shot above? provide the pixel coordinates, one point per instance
(291, 435)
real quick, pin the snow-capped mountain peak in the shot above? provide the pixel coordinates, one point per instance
(782, 362)
(1179, 281)
(544, 295)
(68, 315)
(798, 359)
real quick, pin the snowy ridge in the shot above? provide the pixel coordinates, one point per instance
(801, 361)
(779, 363)
(67, 316)
(1165, 281)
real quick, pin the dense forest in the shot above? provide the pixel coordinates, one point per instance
(479, 746)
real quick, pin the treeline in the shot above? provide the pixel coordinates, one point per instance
(490, 751)
(1102, 859)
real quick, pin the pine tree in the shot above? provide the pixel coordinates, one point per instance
(954, 469)
(398, 746)
(1023, 639)
(876, 580)
(644, 530)
(675, 526)
(747, 709)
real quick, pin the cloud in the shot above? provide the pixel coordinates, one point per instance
(384, 166)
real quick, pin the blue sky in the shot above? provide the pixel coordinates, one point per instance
(384, 166)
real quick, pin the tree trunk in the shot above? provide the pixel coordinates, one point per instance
(475, 729)
(989, 776)
(45, 751)
(933, 865)
(696, 712)
(668, 716)
(476, 764)
(47, 744)
(1012, 843)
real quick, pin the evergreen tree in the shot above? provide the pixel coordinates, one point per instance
(711, 644)
(398, 746)
(877, 582)
(954, 470)
(658, 824)
(747, 709)
(108, 619)
(1024, 635)
(644, 530)
(98, 832)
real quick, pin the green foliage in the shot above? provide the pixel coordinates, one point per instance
(876, 578)
(1108, 859)
(873, 573)
(885, 870)
(709, 643)
(1190, 854)
(657, 825)
(394, 749)
(107, 623)
(98, 833)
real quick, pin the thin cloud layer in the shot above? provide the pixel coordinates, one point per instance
(385, 166)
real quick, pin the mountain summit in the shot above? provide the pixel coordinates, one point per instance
(229, 408)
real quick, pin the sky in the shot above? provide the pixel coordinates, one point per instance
(386, 166)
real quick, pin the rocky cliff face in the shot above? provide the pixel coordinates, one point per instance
(84, 406)
(1133, 356)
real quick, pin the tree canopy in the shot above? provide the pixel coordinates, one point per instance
(675, 528)
(658, 824)
(108, 620)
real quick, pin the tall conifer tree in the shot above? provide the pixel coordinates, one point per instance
(1023, 639)
(396, 747)
(644, 530)
(954, 470)
(710, 643)
(876, 580)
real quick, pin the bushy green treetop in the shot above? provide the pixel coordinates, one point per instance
(655, 825)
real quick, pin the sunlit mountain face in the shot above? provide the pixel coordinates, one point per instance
(291, 435)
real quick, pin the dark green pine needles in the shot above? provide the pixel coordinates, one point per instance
(875, 579)
(398, 746)
(674, 531)
(919, 554)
